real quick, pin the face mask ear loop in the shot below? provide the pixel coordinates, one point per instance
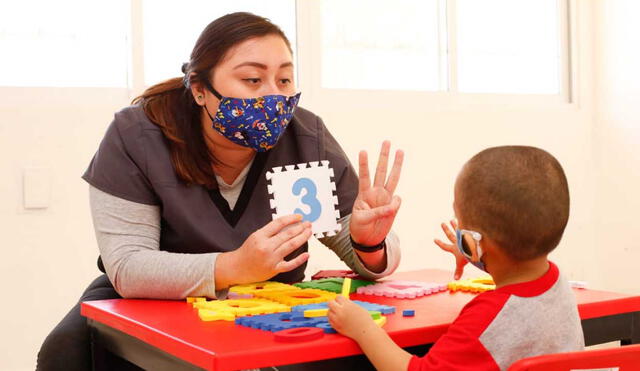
(212, 90)
(209, 87)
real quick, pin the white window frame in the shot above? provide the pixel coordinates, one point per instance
(310, 58)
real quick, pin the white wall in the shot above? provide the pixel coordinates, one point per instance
(49, 255)
(617, 144)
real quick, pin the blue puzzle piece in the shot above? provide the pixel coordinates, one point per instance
(279, 321)
(384, 309)
(326, 327)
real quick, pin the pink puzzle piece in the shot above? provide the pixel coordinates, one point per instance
(402, 289)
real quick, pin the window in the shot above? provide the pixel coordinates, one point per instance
(74, 43)
(171, 29)
(378, 44)
(470, 46)
(508, 46)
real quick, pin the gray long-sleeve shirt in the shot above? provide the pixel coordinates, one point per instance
(128, 235)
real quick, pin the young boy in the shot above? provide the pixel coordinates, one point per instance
(512, 204)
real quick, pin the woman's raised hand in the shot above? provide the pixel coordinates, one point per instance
(375, 208)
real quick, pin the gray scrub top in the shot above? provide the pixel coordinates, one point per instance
(133, 162)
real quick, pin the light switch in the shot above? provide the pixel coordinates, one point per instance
(36, 188)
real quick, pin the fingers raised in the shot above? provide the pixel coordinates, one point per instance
(394, 176)
(381, 169)
(364, 180)
(444, 246)
(449, 233)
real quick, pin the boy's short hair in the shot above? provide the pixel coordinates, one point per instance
(518, 196)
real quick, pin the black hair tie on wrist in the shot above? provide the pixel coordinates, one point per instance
(363, 248)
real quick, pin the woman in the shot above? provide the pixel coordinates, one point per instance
(179, 196)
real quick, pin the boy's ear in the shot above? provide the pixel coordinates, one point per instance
(475, 254)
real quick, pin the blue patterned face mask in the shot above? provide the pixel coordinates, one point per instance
(256, 123)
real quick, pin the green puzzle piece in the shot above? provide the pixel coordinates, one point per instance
(332, 284)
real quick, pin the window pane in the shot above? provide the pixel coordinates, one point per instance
(380, 44)
(508, 46)
(64, 43)
(171, 29)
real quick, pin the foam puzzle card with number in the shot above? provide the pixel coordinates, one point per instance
(402, 289)
(306, 189)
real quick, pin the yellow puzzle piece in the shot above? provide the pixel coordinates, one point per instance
(380, 321)
(473, 285)
(193, 299)
(298, 297)
(258, 287)
(214, 315)
(346, 287)
(242, 307)
(316, 313)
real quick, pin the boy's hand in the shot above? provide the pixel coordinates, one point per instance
(349, 319)
(452, 248)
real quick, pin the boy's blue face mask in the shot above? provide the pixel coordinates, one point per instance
(465, 239)
(256, 123)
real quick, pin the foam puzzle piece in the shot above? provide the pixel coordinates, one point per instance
(384, 309)
(346, 287)
(215, 315)
(316, 312)
(375, 314)
(243, 307)
(326, 327)
(472, 285)
(402, 289)
(306, 189)
(299, 334)
(291, 320)
(336, 273)
(332, 284)
(266, 286)
(235, 295)
(280, 321)
(193, 299)
(408, 313)
(298, 296)
(380, 321)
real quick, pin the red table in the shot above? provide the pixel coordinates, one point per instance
(159, 334)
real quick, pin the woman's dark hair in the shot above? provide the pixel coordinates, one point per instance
(171, 106)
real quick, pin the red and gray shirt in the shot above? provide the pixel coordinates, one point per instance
(513, 322)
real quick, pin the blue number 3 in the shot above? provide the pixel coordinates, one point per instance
(309, 199)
